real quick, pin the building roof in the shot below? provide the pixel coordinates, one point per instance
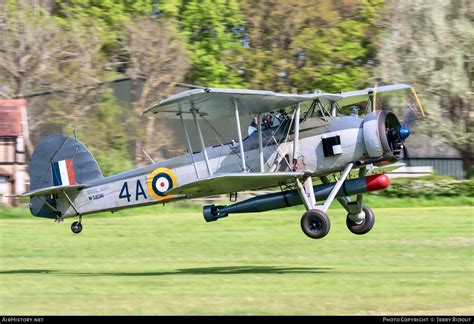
(13, 113)
(422, 146)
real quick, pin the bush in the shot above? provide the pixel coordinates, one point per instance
(428, 188)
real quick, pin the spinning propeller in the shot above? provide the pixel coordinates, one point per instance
(397, 133)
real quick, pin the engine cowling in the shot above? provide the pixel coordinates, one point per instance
(382, 138)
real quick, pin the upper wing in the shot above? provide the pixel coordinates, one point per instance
(353, 97)
(233, 182)
(218, 103)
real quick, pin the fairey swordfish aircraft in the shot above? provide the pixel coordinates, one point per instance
(294, 140)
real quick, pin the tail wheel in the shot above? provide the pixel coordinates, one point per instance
(76, 227)
(315, 223)
(363, 226)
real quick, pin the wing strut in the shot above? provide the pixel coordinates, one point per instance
(296, 137)
(188, 141)
(239, 133)
(418, 101)
(260, 143)
(374, 98)
(201, 140)
(334, 109)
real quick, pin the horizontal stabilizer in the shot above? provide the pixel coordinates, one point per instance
(50, 190)
(233, 182)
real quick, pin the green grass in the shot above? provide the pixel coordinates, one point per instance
(184, 206)
(169, 261)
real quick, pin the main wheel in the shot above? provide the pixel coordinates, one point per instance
(315, 223)
(76, 227)
(363, 226)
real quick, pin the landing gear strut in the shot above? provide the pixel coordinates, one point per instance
(76, 227)
(315, 222)
(360, 218)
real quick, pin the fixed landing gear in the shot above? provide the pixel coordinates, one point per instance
(363, 223)
(76, 227)
(315, 223)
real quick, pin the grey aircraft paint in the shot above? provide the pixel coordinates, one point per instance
(287, 149)
(134, 188)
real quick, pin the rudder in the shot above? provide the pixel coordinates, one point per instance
(59, 160)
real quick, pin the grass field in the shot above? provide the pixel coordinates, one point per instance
(169, 261)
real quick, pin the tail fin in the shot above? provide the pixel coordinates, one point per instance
(59, 160)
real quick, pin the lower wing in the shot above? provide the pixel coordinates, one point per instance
(233, 182)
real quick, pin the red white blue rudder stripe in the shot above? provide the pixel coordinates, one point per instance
(63, 173)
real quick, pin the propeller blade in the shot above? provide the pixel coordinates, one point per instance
(406, 156)
(409, 116)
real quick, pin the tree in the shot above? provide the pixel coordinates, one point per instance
(105, 130)
(211, 30)
(306, 45)
(156, 62)
(30, 57)
(108, 15)
(36, 59)
(63, 61)
(431, 47)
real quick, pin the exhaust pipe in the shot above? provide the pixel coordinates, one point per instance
(370, 160)
(292, 198)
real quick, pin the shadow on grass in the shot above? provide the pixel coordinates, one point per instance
(188, 271)
(28, 271)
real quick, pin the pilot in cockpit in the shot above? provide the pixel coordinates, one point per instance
(268, 121)
(253, 126)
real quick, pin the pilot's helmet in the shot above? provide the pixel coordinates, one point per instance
(268, 120)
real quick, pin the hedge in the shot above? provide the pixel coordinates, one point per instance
(428, 188)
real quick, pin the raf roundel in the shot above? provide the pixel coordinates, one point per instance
(160, 181)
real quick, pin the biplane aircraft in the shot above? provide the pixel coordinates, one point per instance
(294, 140)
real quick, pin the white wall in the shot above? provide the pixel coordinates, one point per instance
(3, 190)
